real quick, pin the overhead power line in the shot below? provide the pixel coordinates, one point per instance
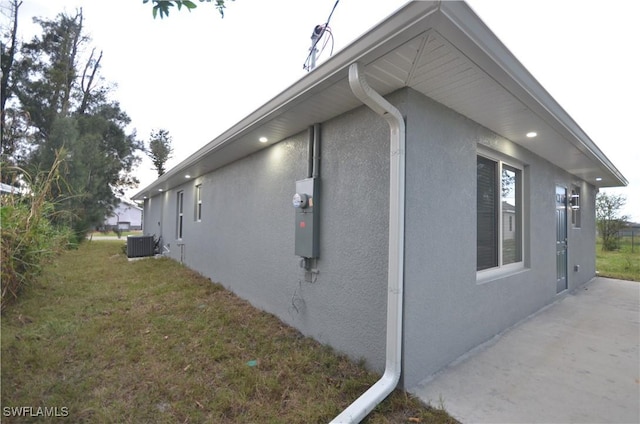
(318, 33)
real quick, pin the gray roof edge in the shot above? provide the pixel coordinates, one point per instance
(128, 202)
(456, 18)
(465, 19)
(404, 17)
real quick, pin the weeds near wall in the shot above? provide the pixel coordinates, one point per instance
(29, 239)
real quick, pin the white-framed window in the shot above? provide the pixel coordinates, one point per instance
(198, 205)
(574, 203)
(499, 213)
(180, 214)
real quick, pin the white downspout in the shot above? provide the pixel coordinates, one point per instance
(383, 387)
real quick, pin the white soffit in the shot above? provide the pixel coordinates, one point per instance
(441, 49)
(443, 73)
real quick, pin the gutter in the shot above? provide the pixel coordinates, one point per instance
(393, 368)
(405, 23)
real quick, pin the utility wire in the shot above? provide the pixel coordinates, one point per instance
(325, 27)
(326, 41)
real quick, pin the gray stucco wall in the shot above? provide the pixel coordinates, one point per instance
(246, 237)
(151, 216)
(448, 308)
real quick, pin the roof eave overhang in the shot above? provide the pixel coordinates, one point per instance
(489, 53)
(394, 30)
(456, 23)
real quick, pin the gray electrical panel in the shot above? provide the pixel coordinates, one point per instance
(305, 202)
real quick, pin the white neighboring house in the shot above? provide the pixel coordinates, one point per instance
(126, 216)
(9, 189)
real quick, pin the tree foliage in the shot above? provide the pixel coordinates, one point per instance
(163, 7)
(609, 220)
(160, 150)
(58, 101)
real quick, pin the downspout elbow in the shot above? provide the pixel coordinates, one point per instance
(393, 364)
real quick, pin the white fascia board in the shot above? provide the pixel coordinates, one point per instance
(327, 72)
(483, 47)
(454, 20)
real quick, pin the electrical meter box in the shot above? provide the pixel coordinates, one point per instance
(305, 202)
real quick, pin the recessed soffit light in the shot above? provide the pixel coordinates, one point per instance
(532, 134)
(263, 139)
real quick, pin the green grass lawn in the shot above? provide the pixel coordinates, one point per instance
(105, 340)
(623, 264)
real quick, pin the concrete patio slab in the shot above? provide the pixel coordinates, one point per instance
(576, 361)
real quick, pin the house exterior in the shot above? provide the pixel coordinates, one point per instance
(126, 216)
(305, 225)
(9, 189)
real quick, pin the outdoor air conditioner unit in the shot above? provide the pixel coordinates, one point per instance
(139, 246)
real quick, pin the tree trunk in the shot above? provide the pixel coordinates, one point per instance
(86, 89)
(6, 65)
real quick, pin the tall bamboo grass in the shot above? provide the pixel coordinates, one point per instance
(29, 239)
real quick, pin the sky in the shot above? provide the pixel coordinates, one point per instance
(197, 74)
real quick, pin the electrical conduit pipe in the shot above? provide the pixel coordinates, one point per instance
(383, 387)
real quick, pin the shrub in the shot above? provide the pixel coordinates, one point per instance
(608, 219)
(29, 239)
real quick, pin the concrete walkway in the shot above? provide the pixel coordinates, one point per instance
(577, 361)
